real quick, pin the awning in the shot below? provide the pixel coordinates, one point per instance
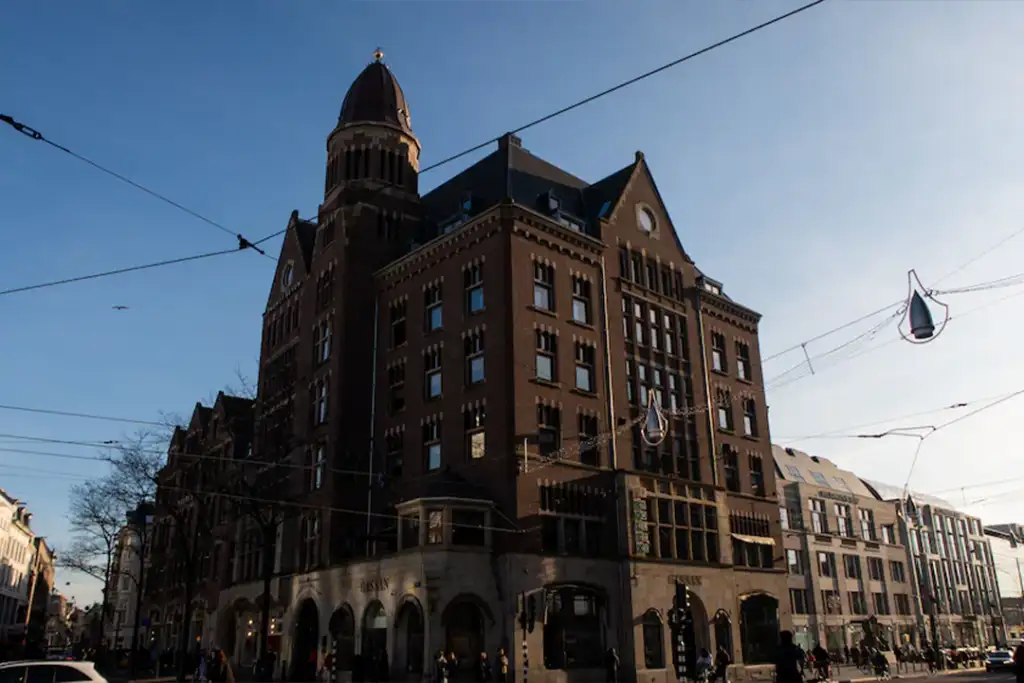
(758, 540)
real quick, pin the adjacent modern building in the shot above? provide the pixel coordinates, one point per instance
(16, 554)
(846, 563)
(954, 571)
(455, 384)
(1007, 542)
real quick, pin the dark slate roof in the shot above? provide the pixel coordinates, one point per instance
(376, 97)
(305, 231)
(236, 407)
(512, 172)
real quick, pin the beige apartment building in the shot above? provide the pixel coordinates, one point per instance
(847, 566)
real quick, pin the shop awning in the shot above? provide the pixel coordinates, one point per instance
(758, 540)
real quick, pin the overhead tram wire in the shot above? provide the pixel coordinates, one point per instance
(626, 83)
(244, 243)
(136, 268)
(34, 134)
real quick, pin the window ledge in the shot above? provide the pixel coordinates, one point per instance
(544, 311)
(751, 437)
(546, 382)
(478, 311)
(726, 430)
(583, 392)
(720, 373)
(586, 326)
(428, 331)
(745, 380)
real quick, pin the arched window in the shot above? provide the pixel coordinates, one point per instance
(343, 630)
(375, 629)
(573, 632)
(723, 632)
(654, 640)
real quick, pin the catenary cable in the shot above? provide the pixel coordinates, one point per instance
(627, 83)
(136, 268)
(34, 134)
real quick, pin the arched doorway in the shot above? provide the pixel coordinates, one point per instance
(227, 631)
(343, 632)
(653, 634)
(304, 644)
(759, 628)
(701, 623)
(375, 631)
(574, 631)
(408, 655)
(463, 622)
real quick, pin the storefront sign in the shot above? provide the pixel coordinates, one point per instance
(839, 496)
(374, 585)
(686, 580)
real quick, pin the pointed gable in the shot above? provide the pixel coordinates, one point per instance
(295, 260)
(640, 193)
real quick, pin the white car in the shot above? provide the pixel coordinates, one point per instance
(39, 671)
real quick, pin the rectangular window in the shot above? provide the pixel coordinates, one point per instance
(322, 341)
(831, 602)
(749, 417)
(724, 403)
(468, 527)
(394, 449)
(799, 601)
(309, 551)
(473, 346)
(668, 327)
(852, 565)
(585, 354)
(544, 286)
(474, 419)
(820, 479)
(867, 524)
(398, 336)
(396, 388)
(433, 307)
(876, 569)
(473, 279)
(827, 565)
(432, 373)
(589, 454)
(547, 350)
(320, 407)
(581, 300)
(902, 601)
(317, 466)
(432, 445)
(743, 361)
(819, 521)
(731, 463)
(857, 603)
(549, 429)
(844, 525)
(795, 561)
(435, 527)
(756, 475)
(898, 571)
(718, 359)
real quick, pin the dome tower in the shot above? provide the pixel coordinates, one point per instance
(373, 145)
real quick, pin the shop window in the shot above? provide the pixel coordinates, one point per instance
(468, 527)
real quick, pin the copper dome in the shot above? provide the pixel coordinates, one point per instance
(376, 97)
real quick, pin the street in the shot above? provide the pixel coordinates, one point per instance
(848, 674)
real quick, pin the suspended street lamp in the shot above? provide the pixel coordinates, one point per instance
(655, 424)
(918, 315)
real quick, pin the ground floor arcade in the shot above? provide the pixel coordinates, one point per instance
(400, 612)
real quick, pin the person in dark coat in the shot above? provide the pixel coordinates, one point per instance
(483, 669)
(789, 660)
(1018, 662)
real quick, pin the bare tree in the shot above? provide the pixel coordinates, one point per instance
(96, 518)
(138, 473)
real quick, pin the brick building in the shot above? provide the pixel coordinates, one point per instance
(847, 564)
(457, 380)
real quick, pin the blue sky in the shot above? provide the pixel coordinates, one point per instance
(807, 167)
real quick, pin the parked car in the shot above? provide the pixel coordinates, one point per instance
(997, 660)
(45, 671)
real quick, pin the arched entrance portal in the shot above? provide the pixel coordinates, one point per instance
(723, 632)
(375, 631)
(701, 624)
(227, 631)
(759, 628)
(408, 655)
(307, 632)
(343, 631)
(463, 622)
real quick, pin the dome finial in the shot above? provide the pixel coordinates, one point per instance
(378, 55)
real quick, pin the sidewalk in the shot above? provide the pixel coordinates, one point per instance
(923, 673)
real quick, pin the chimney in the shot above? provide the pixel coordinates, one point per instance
(509, 140)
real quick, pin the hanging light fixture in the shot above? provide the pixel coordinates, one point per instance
(917, 314)
(655, 424)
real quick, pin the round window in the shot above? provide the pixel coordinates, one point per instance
(646, 219)
(288, 275)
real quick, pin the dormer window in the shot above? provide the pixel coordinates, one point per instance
(467, 203)
(554, 204)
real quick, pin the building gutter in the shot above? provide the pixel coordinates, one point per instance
(373, 421)
(612, 453)
(708, 405)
